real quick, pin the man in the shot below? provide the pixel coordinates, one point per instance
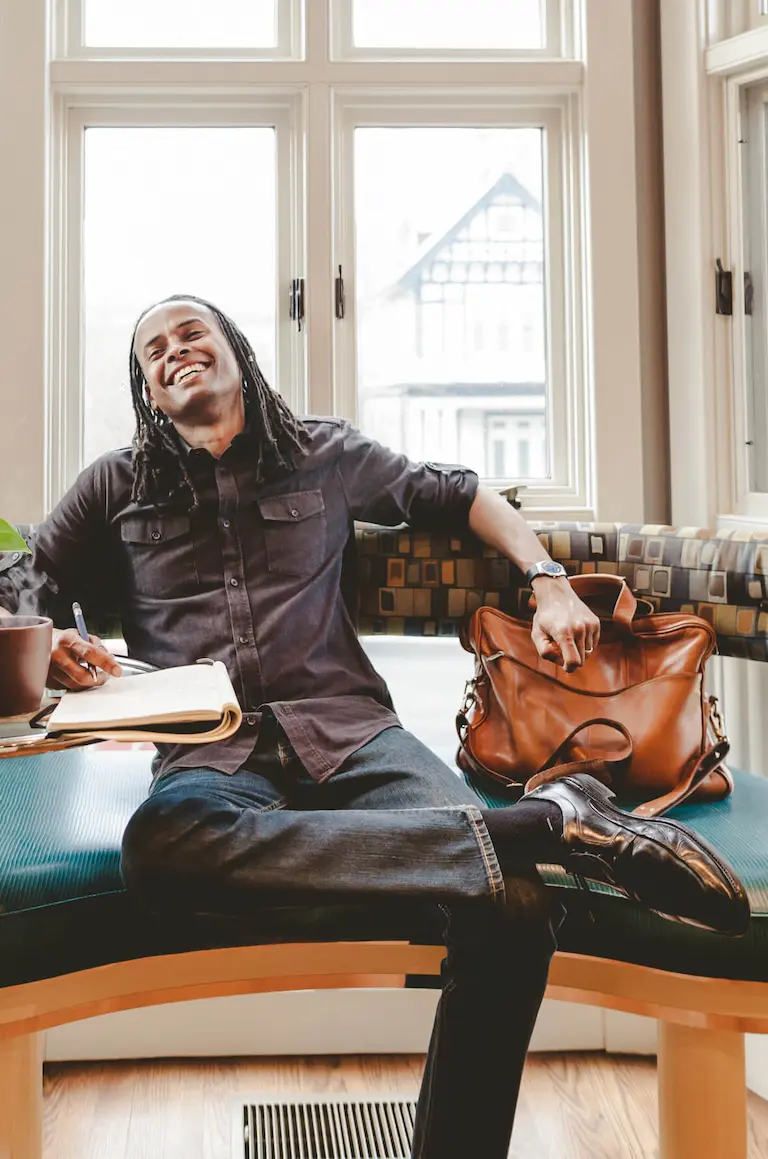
(222, 534)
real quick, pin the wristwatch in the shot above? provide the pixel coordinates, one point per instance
(548, 567)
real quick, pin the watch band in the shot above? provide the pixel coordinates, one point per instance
(546, 567)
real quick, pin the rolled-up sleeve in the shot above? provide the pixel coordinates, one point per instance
(384, 487)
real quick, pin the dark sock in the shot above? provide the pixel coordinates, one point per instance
(525, 834)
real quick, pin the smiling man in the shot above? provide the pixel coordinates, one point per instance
(222, 534)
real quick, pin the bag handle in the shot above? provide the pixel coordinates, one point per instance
(602, 589)
(611, 587)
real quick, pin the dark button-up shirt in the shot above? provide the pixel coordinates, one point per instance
(252, 577)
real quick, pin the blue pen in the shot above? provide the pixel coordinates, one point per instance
(77, 612)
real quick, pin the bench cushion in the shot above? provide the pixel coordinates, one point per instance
(63, 907)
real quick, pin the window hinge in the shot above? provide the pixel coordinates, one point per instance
(723, 289)
(296, 302)
(749, 293)
(339, 295)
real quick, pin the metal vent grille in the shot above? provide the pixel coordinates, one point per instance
(340, 1128)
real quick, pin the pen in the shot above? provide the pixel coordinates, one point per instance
(77, 612)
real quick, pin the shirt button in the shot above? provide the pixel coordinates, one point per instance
(155, 533)
(233, 582)
(295, 513)
(250, 720)
(225, 523)
(244, 640)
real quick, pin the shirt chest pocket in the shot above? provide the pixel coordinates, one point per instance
(294, 532)
(161, 553)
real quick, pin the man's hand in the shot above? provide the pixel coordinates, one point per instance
(68, 650)
(564, 629)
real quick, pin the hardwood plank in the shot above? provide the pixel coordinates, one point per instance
(572, 1106)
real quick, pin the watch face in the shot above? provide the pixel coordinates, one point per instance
(552, 568)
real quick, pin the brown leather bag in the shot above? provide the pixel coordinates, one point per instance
(635, 715)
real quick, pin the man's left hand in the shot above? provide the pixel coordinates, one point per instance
(564, 631)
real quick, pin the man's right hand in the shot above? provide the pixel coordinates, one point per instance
(66, 671)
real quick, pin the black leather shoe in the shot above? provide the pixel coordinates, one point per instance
(659, 863)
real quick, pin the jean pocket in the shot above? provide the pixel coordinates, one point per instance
(295, 532)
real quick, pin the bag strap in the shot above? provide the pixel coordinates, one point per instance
(706, 764)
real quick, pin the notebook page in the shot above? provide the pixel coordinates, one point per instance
(188, 693)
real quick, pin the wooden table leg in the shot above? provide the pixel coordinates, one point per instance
(702, 1093)
(21, 1097)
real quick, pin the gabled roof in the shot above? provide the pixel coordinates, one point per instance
(506, 184)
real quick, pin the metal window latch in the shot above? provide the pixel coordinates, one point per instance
(296, 302)
(511, 496)
(723, 290)
(339, 295)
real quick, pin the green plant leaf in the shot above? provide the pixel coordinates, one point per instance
(10, 540)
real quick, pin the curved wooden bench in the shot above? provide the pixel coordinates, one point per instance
(702, 1091)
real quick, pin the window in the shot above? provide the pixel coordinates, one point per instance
(454, 308)
(180, 23)
(755, 275)
(463, 160)
(144, 242)
(453, 24)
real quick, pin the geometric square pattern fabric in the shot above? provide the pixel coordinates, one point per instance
(421, 583)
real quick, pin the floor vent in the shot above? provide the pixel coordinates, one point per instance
(342, 1128)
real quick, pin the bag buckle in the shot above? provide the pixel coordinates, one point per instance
(469, 694)
(718, 724)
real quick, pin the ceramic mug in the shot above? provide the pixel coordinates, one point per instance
(25, 655)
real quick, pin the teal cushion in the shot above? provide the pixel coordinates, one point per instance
(604, 923)
(62, 902)
(63, 906)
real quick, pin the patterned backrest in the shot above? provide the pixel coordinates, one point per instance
(425, 584)
(421, 583)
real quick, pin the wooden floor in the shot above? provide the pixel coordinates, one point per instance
(572, 1106)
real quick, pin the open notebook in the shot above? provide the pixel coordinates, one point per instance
(195, 702)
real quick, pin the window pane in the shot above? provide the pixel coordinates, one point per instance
(168, 211)
(180, 23)
(451, 295)
(448, 24)
(755, 263)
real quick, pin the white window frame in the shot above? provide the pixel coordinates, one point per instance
(708, 58)
(69, 39)
(564, 255)
(74, 113)
(561, 40)
(746, 503)
(38, 224)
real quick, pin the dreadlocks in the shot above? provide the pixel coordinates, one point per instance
(159, 469)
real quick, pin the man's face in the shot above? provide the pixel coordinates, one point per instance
(190, 368)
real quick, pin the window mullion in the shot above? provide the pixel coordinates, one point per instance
(290, 378)
(319, 252)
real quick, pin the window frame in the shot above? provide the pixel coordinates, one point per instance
(73, 114)
(564, 253)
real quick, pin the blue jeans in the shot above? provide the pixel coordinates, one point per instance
(393, 824)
